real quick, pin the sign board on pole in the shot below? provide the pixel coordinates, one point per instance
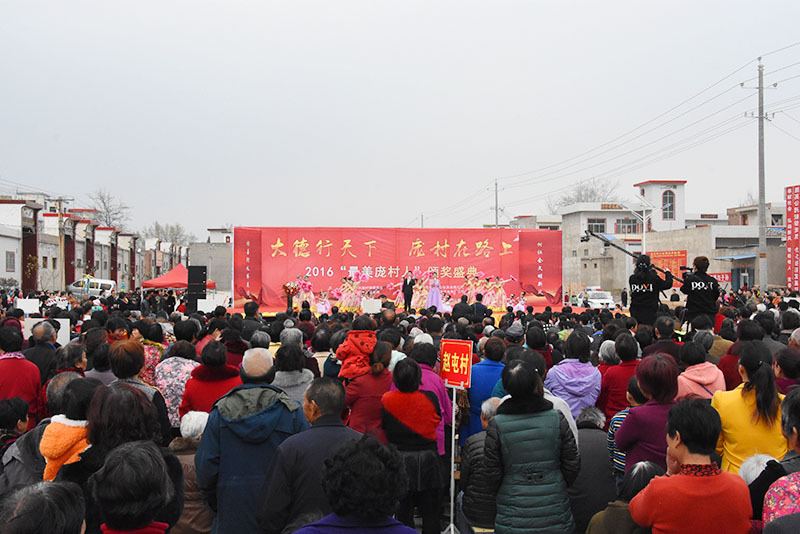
(456, 365)
(29, 306)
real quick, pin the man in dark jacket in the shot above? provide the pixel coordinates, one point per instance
(645, 286)
(461, 309)
(239, 442)
(701, 290)
(476, 505)
(665, 330)
(252, 321)
(478, 307)
(43, 353)
(293, 494)
(595, 486)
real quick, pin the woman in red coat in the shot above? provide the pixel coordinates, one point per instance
(364, 393)
(210, 380)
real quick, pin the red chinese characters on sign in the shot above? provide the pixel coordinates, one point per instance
(722, 278)
(456, 363)
(793, 236)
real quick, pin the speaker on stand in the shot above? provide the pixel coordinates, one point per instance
(196, 288)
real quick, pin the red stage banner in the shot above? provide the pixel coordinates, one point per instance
(793, 237)
(669, 259)
(266, 258)
(456, 364)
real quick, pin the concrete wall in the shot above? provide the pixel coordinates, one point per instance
(218, 259)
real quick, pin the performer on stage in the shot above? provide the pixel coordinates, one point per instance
(434, 293)
(408, 290)
(420, 293)
(323, 305)
(305, 293)
(500, 293)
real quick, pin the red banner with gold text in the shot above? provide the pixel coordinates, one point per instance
(266, 258)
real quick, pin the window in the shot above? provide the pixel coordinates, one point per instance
(574, 253)
(78, 263)
(54, 261)
(668, 205)
(627, 226)
(105, 265)
(44, 262)
(11, 262)
(777, 219)
(586, 252)
(595, 266)
(597, 225)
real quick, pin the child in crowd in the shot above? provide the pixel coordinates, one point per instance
(635, 398)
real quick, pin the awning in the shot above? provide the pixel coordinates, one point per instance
(177, 278)
(736, 257)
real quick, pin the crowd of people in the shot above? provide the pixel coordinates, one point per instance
(664, 420)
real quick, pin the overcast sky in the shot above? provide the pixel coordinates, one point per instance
(368, 113)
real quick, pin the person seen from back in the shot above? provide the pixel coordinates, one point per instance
(574, 378)
(751, 413)
(682, 502)
(641, 434)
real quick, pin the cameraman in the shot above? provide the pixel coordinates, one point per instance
(645, 285)
(702, 291)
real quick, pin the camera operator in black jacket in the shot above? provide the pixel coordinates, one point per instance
(702, 291)
(645, 285)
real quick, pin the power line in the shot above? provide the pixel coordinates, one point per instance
(625, 169)
(667, 112)
(784, 131)
(544, 178)
(781, 49)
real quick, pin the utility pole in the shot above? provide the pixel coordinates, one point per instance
(496, 207)
(762, 209)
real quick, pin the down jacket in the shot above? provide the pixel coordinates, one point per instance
(531, 456)
(479, 504)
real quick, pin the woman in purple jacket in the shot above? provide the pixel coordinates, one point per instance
(641, 436)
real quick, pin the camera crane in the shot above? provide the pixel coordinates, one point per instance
(607, 242)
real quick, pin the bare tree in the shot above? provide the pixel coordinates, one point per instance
(110, 210)
(749, 200)
(172, 233)
(593, 190)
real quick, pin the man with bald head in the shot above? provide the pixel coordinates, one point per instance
(244, 430)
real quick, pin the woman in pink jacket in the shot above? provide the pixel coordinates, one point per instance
(701, 378)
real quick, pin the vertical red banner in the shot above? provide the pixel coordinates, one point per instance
(792, 194)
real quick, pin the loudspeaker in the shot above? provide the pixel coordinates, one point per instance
(197, 281)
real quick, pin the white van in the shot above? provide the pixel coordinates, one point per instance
(92, 287)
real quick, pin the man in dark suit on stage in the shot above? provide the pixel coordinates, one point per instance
(408, 290)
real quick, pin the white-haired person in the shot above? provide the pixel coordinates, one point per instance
(196, 516)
